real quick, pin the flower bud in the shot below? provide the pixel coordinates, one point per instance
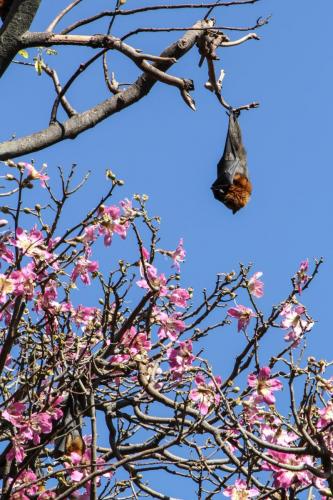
(10, 163)
(3, 222)
(9, 177)
(110, 175)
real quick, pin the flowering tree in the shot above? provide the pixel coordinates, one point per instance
(98, 397)
(104, 393)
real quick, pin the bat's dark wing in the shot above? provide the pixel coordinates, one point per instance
(233, 161)
(71, 424)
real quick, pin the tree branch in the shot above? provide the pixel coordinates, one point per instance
(77, 124)
(141, 10)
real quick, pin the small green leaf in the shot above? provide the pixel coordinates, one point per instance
(51, 52)
(39, 66)
(23, 53)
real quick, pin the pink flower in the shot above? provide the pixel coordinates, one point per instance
(83, 268)
(178, 255)
(31, 243)
(7, 286)
(26, 477)
(129, 211)
(76, 476)
(264, 385)
(326, 416)
(25, 281)
(302, 278)
(205, 395)
(16, 451)
(171, 326)
(243, 314)
(273, 432)
(293, 320)
(256, 286)
(110, 223)
(89, 234)
(133, 345)
(47, 495)
(285, 478)
(14, 414)
(135, 341)
(6, 254)
(240, 491)
(33, 174)
(179, 297)
(155, 281)
(83, 315)
(180, 359)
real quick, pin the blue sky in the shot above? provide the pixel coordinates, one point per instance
(161, 148)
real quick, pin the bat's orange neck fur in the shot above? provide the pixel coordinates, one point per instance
(239, 193)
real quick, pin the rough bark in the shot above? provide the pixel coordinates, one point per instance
(17, 22)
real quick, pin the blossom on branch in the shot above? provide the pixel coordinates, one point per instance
(82, 269)
(34, 174)
(302, 278)
(243, 314)
(294, 319)
(205, 395)
(256, 286)
(264, 385)
(180, 359)
(240, 491)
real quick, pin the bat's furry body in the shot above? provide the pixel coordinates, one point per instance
(232, 186)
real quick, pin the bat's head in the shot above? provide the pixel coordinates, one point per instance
(238, 194)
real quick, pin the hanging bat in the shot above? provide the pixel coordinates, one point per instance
(232, 186)
(72, 440)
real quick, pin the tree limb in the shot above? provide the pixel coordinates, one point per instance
(77, 124)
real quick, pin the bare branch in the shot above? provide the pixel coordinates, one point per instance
(61, 14)
(79, 123)
(140, 10)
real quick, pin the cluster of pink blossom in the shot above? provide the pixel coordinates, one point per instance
(240, 491)
(264, 386)
(151, 280)
(180, 359)
(28, 428)
(296, 322)
(170, 326)
(205, 395)
(133, 345)
(284, 476)
(242, 313)
(24, 486)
